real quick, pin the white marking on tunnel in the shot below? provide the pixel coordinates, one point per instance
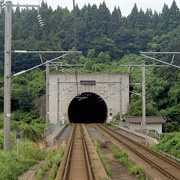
(81, 98)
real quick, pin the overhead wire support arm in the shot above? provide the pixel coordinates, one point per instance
(26, 5)
(65, 65)
(46, 52)
(139, 65)
(47, 62)
(160, 61)
(153, 53)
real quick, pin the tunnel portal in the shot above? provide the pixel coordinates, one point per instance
(87, 107)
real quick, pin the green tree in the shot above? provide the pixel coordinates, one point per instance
(88, 65)
(115, 23)
(133, 17)
(20, 96)
(91, 54)
(102, 20)
(174, 16)
(165, 18)
(103, 58)
(174, 93)
(141, 22)
(156, 24)
(37, 83)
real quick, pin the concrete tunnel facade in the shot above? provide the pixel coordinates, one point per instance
(87, 107)
(97, 98)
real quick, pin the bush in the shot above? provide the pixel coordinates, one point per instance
(30, 132)
(26, 117)
(1, 140)
(13, 164)
(169, 143)
(124, 161)
(104, 162)
(1, 120)
(51, 163)
(135, 169)
(53, 172)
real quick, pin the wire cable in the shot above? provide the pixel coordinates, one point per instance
(74, 14)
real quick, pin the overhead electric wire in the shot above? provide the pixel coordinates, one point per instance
(74, 14)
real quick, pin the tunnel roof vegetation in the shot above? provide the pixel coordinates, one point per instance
(107, 40)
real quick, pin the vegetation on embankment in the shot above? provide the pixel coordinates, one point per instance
(122, 158)
(51, 164)
(103, 159)
(22, 156)
(170, 144)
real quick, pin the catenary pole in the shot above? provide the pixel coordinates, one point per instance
(58, 100)
(47, 94)
(143, 94)
(120, 94)
(7, 75)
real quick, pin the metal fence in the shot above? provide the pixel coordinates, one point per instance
(50, 129)
(141, 129)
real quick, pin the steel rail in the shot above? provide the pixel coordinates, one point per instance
(61, 169)
(135, 145)
(149, 150)
(65, 168)
(88, 164)
(67, 165)
(57, 137)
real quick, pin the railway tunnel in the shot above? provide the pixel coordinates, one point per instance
(87, 107)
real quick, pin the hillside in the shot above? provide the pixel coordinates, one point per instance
(107, 41)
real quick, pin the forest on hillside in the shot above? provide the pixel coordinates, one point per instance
(107, 41)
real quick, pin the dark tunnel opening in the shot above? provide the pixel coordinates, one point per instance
(87, 108)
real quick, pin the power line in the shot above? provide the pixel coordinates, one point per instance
(74, 14)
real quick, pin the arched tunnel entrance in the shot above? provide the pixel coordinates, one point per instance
(87, 108)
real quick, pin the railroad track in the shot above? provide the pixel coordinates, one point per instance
(131, 135)
(80, 160)
(62, 135)
(168, 168)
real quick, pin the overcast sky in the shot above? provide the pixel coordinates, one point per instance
(125, 5)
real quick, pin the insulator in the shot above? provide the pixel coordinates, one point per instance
(2, 6)
(41, 23)
(38, 16)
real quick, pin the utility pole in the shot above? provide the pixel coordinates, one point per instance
(58, 100)
(7, 75)
(143, 94)
(47, 94)
(143, 66)
(7, 72)
(120, 98)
